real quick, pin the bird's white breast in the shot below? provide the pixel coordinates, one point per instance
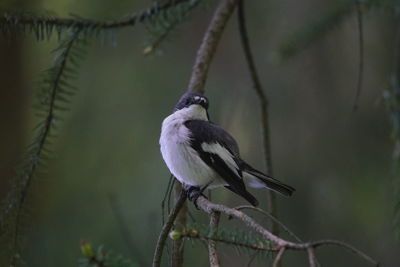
(182, 160)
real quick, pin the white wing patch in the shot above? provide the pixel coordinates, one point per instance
(223, 153)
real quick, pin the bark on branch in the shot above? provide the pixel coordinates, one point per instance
(199, 74)
(280, 244)
(209, 45)
(166, 229)
(212, 245)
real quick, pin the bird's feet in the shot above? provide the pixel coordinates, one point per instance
(193, 193)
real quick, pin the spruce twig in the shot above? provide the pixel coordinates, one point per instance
(53, 96)
(44, 26)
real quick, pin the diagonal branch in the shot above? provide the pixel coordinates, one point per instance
(165, 230)
(263, 99)
(279, 243)
(275, 220)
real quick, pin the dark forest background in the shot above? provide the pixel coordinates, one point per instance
(107, 165)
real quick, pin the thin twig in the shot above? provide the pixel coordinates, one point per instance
(165, 230)
(287, 230)
(165, 198)
(263, 100)
(160, 39)
(209, 45)
(360, 55)
(311, 257)
(210, 207)
(73, 23)
(252, 246)
(252, 258)
(349, 247)
(278, 257)
(170, 195)
(42, 139)
(179, 225)
(212, 245)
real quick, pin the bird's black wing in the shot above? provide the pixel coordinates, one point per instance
(205, 133)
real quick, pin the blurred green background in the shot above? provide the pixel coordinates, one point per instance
(339, 161)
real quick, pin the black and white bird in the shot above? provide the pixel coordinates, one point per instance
(200, 154)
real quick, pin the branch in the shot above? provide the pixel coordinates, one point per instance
(45, 129)
(280, 243)
(150, 49)
(209, 45)
(311, 257)
(72, 23)
(212, 245)
(198, 77)
(165, 230)
(193, 234)
(180, 225)
(275, 220)
(348, 247)
(263, 100)
(278, 257)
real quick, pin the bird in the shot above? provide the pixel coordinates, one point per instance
(202, 155)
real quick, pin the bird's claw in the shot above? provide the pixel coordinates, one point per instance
(193, 193)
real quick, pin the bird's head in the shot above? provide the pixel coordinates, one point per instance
(193, 106)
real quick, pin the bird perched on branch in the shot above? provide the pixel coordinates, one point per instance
(200, 154)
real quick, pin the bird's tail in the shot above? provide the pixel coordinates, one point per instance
(258, 179)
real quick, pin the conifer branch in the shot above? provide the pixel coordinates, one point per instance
(318, 28)
(43, 26)
(193, 234)
(281, 225)
(50, 102)
(169, 27)
(278, 242)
